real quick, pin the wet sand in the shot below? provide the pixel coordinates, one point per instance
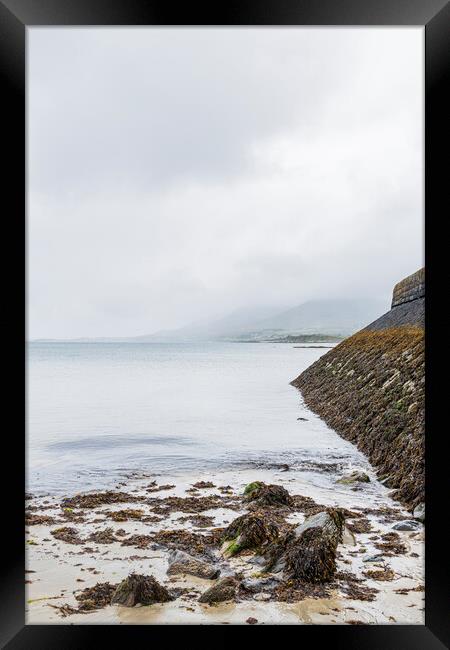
(57, 570)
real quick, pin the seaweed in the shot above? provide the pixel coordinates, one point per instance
(249, 531)
(140, 590)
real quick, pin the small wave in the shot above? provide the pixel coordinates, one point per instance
(105, 442)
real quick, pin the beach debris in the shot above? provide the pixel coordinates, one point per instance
(159, 488)
(39, 520)
(95, 597)
(125, 515)
(183, 563)
(249, 531)
(391, 544)
(354, 477)
(261, 494)
(361, 525)
(308, 552)
(140, 590)
(138, 541)
(351, 586)
(194, 504)
(189, 541)
(95, 499)
(224, 589)
(201, 521)
(386, 574)
(105, 536)
(200, 485)
(251, 620)
(67, 534)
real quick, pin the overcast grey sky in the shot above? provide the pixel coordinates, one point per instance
(178, 174)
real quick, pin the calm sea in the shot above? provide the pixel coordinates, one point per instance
(100, 411)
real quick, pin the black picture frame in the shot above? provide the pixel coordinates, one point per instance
(15, 17)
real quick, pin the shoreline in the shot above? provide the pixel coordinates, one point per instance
(107, 545)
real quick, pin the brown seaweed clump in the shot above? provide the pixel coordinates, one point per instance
(67, 534)
(95, 597)
(39, 520)
(391, 545)
(249, 531)
(103, 536)
(186, 540)
(384, 575)
(140, 590)
(261, 494)
(98, 499)
(314, 559)
(308, 553)
(126, 514)
(312, 555)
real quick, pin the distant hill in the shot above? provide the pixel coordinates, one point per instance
(239, 322)
(343, 317)
(326, 317)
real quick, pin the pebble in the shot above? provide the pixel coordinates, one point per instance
(261, 597)
(407, 525)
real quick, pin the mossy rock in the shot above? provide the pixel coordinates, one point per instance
(268, 495)
(252, 487)
(354, 477)
(249, 531)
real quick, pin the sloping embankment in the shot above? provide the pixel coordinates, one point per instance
(371, 389)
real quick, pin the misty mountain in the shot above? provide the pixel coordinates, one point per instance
(336, 317)
(239, 322)
(344, 316)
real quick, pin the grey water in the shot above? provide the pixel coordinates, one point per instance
(98, 412)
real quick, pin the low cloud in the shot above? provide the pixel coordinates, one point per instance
(178, 174)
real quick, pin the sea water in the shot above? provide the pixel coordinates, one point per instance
(98, 412)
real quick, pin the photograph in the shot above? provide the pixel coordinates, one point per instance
(225, 325)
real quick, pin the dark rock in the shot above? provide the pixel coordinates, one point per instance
(354, 477)
(308, 553)
(251, 620)
(139, 589)
(258, 584)
(419, 512)
(249, 531)
(261, 494)
(407, 525)
(183, 563)
(224, 589)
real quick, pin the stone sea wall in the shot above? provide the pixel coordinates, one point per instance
(371, 389)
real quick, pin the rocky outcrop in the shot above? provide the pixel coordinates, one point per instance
(308, 552)
(371, 389)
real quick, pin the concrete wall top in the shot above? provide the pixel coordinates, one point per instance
(411, 288)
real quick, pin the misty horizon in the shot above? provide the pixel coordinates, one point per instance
(178, 176)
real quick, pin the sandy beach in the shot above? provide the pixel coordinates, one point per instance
(156, 516)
